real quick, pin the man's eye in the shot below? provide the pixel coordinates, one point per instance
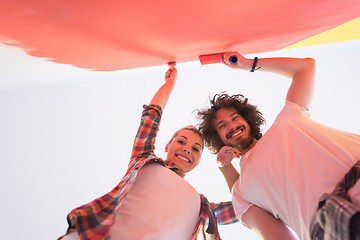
(235, 118)
(221, 126)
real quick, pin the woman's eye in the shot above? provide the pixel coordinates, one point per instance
(196, 149)
(180, 141)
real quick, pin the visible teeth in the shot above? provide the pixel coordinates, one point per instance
(237, 132)
(183, 158)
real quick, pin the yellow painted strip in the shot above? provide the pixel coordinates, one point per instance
(345, 32)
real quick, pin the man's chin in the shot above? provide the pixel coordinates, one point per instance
(244, 144)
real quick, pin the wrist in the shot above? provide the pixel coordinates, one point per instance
(222, 166)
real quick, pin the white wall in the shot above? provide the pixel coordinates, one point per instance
(64, 145)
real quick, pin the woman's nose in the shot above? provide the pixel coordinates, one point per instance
(186, 150)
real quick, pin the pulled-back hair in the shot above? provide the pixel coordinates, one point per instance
(191, 128)
(249, 112)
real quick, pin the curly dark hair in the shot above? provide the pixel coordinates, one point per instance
(249, 112)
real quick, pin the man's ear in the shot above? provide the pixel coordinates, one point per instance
(167, 147)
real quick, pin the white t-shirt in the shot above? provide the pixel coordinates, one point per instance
(160, 205)
(292, 165)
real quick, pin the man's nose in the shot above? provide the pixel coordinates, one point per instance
(232, 126)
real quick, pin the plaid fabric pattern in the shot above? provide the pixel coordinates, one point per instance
(211, 214)
(337, 217)
(93, 221)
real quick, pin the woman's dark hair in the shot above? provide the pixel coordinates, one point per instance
(249, 112)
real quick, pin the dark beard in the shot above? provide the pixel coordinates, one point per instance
(245, 143)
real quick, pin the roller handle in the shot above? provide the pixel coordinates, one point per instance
(216, 58)
(171, 64)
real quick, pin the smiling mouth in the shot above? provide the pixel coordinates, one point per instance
(185, 159)
(235, 133)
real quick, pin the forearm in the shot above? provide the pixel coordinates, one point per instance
(230, 174)
(300, 70)
(161, 97)
(288, 67)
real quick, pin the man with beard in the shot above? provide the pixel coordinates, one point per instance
(288, 176)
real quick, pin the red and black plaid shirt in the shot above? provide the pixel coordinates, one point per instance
(95, 219)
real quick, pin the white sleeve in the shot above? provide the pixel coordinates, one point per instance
(239, 203)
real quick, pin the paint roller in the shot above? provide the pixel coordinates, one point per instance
(216, 58)
(171, 64)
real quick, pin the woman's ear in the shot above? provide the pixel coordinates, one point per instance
(167, 147)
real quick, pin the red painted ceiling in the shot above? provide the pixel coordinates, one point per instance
(121, 34)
